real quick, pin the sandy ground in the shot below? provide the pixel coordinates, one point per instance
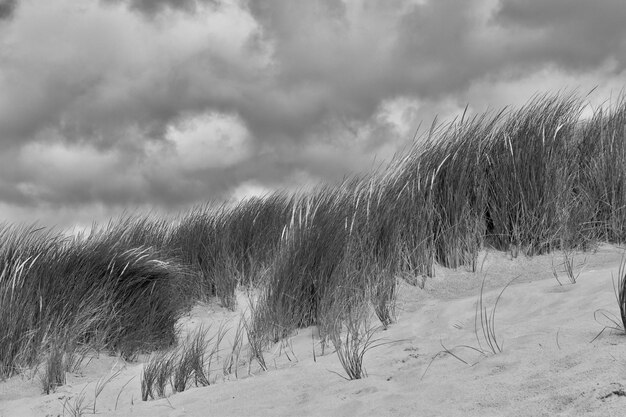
(548, 366)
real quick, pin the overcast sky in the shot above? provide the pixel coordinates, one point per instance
(108, 105)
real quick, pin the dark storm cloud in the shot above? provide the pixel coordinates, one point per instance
(330, 63)
(573, 34)
(437, 53)
(344, 60)
(107, 79)
(91, 93)
(7, 8)
(153, 7)
(317, 76)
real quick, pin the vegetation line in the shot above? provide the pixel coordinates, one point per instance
(527, 181)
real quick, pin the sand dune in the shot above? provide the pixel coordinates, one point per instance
(548, 364)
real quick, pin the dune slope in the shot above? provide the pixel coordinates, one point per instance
(548, 364)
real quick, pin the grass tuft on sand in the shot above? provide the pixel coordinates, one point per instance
(527, 181)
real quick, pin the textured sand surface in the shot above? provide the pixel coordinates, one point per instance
(548, 365)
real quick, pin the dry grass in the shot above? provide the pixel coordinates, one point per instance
(485, 322)
(191, 361)
(358, 338)
(621, 291)
(530, 180)
(607, 319)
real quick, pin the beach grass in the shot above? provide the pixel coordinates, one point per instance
(526, 181)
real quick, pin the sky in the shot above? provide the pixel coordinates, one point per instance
(108, 106)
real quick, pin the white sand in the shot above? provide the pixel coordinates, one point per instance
(547, 367)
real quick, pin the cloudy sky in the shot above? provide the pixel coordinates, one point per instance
(108, 105)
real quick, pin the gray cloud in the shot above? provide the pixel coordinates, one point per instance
(345, 60)
(573, 34)
(153, 7)
(7, 8)
(102, 107)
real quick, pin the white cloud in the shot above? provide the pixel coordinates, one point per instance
(249, 189)
(208, 142)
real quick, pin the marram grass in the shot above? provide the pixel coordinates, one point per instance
(527, 180)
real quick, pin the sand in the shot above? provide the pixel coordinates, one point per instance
(549, 364)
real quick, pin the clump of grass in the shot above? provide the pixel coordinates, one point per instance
(337, 237)
(383, 298)
(530, 175)
(487, 339)
(78, 407)
(621, 291)
(230, 245)
(258, 330)
(199, 352)
(555, 273)
(601, 177)
(571, 269)
(156, 375)
(55, 282)
(231, 362)
(61, 357)
(54, 369)
(178, 368)
(185, 366)
(455, 184)
(93, 287)
(358, 338)
(530, 180)
(612, 322)
(307, 263)
(101, 384)
(487, 321)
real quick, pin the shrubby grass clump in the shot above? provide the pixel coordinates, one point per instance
(601, 175)
(527, 180)
(225, 246)
(518, 181)
(91, 290)
(338, 240)
(532, 176)
(177, 369)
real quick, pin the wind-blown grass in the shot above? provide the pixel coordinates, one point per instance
(358, 339)
(620, 291)
(178, 368)
(93, 289)
(606, 318)
(227, 246)
(527, 180)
